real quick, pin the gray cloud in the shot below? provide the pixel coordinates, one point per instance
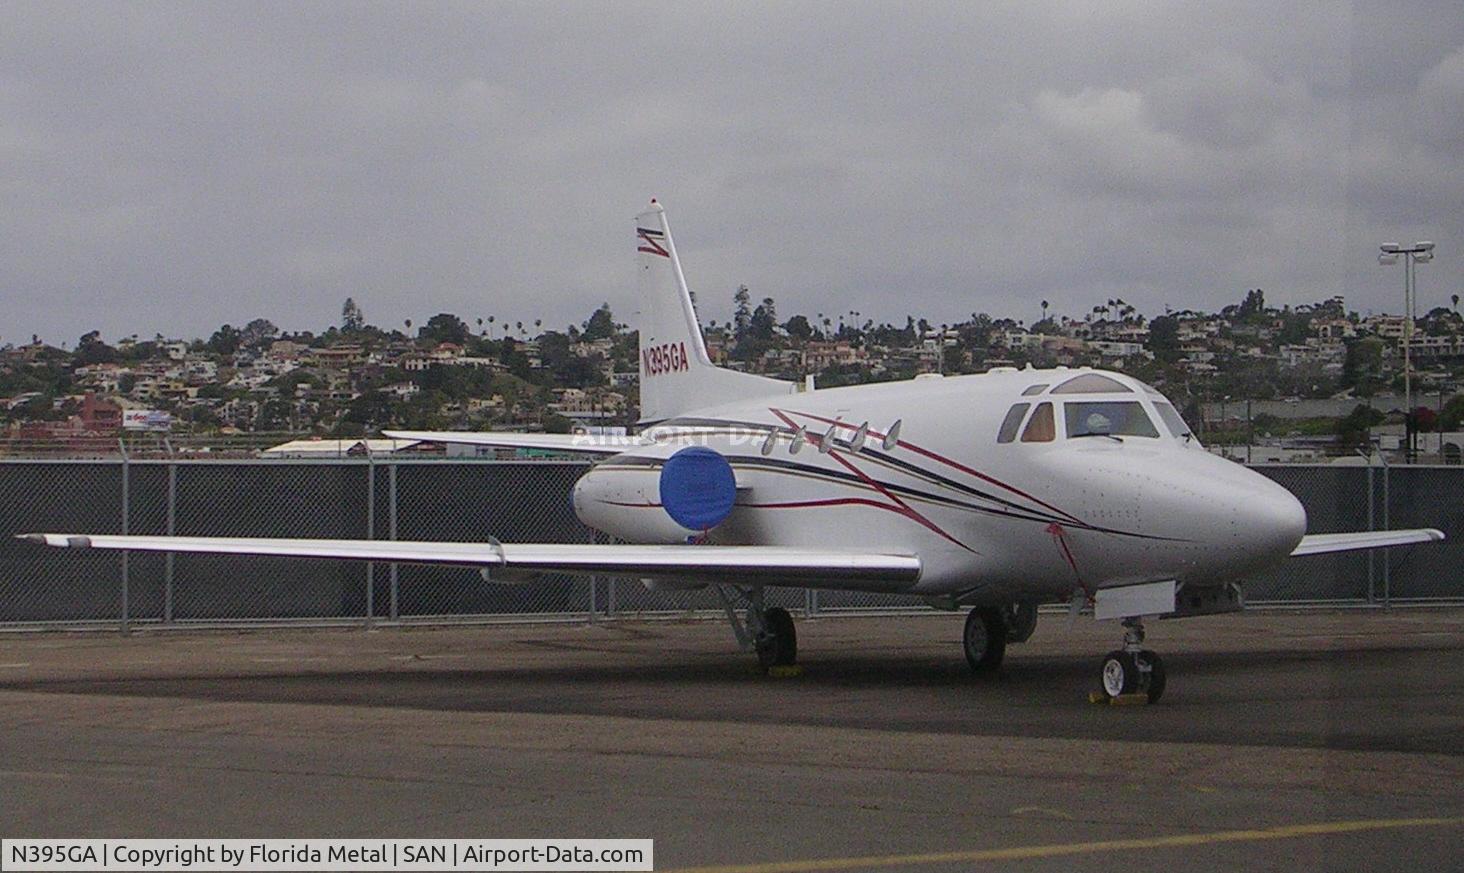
(175, 166)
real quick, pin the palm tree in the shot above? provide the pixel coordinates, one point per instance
(1455, 299)
(1044, 310)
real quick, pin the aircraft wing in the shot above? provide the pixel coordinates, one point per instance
(578, 444)
(775, 564)
(1321, 544)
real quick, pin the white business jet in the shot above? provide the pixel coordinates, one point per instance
(997, 492)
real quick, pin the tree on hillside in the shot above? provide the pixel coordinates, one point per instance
(798, 328)
(601, 324)
(1362, 367)
(741, 312)
(258, 332)
(91, 350)
(1164, 338)
(764, 320)
(225, 340)
(444, 327)
(352, 320)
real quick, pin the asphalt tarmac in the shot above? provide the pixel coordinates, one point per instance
(1289, 741)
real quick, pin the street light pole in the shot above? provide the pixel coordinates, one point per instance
(1418, 253)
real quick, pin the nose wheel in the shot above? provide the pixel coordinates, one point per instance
(1133, 669)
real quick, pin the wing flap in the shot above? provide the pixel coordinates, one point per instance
(775, 564)
(1321, 544)
(600, 445)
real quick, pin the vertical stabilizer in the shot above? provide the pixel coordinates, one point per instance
(676, 376)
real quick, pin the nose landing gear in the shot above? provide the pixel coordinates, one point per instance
(1133, 669)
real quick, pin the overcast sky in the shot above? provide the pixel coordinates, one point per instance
(171, 167)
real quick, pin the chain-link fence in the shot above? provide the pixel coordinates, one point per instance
(519, 502)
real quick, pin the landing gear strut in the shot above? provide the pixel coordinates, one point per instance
(985, 638)
(769, 631)
(1133, 669)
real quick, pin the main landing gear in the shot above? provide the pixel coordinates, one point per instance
(1133, 669)
(985, 638)
(769, 631)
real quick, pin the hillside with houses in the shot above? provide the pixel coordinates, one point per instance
(355, 378)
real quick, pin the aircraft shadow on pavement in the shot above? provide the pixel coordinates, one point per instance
(1333, 699)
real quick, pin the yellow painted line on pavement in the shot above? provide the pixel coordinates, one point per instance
(1053, 850)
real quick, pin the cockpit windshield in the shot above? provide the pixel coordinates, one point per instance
(1119, 418)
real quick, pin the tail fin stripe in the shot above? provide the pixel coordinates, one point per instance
(652, 238)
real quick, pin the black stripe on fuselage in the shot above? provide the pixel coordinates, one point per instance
(780, 465)
(714, 426)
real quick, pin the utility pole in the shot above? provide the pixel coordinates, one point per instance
(1418, 253)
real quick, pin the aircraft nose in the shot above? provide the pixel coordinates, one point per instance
(1247, 521)
(1273, 521)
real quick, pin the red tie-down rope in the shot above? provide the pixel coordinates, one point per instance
(1059, 536)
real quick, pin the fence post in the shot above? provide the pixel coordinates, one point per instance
(1387, 525)
(391, 523)
(126, 502)
(1372, 499)
(370, 533)
(594, 584)
(172, 529)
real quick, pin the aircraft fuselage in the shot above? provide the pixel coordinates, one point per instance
(1089, 485)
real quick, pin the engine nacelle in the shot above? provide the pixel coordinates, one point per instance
(685, 496)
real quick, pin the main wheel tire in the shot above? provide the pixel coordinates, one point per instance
(1120, 674)
(778, 647)
(1154, 686)
(984, 639)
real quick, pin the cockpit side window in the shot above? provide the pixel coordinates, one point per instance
(1034, 389)
(1012, 421)
(1092, 383)
(1042, 428)
(1119, 418)
(1171, 419)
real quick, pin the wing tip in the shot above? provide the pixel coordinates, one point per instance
(62, 540)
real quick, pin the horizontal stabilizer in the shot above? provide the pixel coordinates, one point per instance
(771, 564)
(577, 444)
(1321, 544)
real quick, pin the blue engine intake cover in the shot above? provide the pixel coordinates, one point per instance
(698, 488)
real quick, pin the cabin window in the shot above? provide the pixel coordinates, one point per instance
(1012, 421)
(1107, 418)
(1172, 420)
(1034, 389)
(1092, 383)
(1042, 428)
